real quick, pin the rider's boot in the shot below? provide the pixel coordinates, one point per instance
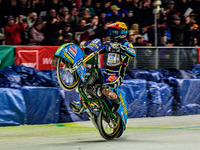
(116, 105)
(77, 107)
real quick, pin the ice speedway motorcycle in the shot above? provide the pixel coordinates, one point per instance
(75, 70)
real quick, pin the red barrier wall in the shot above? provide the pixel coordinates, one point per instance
(39, 57)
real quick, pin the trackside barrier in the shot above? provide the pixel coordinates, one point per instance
(34, 97)
(136, 97)
(186, 94)
(12, 107)
(66, 114)
(163, 57)
(42, 104)
(160, 99)
(40, 57)
(6, 56)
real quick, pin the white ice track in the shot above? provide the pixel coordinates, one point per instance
(161, 133)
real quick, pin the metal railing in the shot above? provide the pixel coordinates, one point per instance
(163, 57)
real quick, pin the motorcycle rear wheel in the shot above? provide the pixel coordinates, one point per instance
(105, 129)
(68, 81)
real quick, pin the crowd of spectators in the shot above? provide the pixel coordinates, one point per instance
(54, 22)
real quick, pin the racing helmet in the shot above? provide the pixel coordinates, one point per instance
(117, 30)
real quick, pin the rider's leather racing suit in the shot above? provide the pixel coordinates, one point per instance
(116, 66)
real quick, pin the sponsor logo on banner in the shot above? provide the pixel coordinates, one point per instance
(29, 58)
(46, 61)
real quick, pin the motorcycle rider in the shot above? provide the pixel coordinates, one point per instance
(115, 66)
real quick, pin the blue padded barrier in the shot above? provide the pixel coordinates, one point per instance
(9, 78)
(12, 107)
(187, 74)
(26, 76)
(187, 96)
(66, 114)
(160, 99)
(196, 70)
(136, 97)
(42, 104)
(179, 74)
(148, 75)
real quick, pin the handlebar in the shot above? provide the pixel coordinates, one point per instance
(114, 46)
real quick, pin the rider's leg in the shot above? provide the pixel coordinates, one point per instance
(113, 97)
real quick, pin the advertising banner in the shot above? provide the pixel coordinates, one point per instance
(6, 56)
(39, 57)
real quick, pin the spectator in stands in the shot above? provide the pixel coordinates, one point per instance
(13, 30)
(98, 8)
(196, 34)
(139, 41)
(25, 35)
(30, 20)
(23, 7)
(131, 38)
(11, 9)
(74, 17)
(83, 30)
(41, 8)
(102, 19)
(33, 5)
(114, 15)
(130, 11)
(51, 14)
(177, 31)
(151, 34)
(146, 13)
(37, 36)
(67, 36)
(88, 6)
(134, 29)
(96, 31)
(144, 32)
(52, 32)
(55, 4)
(64, 16)
(85, 14)
(171, 12)
(189, 36)
(133, 8)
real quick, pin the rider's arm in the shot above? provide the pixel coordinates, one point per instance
(129, 49)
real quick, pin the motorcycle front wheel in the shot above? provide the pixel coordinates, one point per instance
(68, 81)
(109, 128)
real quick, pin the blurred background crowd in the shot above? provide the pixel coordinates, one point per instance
(54, 22)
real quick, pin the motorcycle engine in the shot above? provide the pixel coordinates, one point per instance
(93, 84)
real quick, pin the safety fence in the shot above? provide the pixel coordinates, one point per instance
(40, 57)
(164, 57)
(30, 96)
